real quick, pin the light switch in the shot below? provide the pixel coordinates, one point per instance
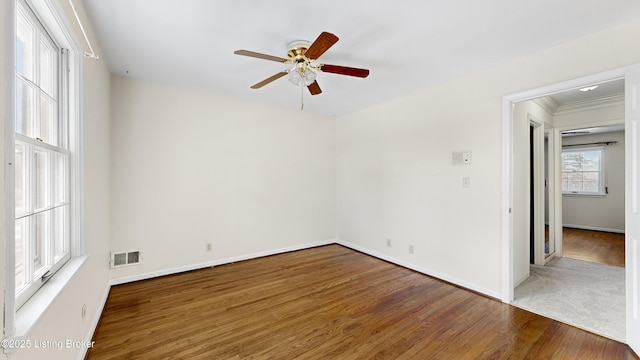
(461, 158)
(466, 182)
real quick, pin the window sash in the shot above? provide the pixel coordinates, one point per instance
(42, 172)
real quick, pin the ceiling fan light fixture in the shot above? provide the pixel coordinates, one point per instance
(303, 75)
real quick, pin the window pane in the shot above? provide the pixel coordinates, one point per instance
(60, 179)
(25, 40)
(591, 176)
(591, 160)
(48, 121)
(60, 231)
(571, 161)
(20, 180)
(42, 178)
(48, 68)
(25, 108)
(20, 247)
(590, 186)
(40, 241)
(574, 181)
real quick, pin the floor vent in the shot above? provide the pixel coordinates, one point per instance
(125, 258)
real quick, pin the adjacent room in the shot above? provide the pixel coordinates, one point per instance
(224, 179)
(577, 276)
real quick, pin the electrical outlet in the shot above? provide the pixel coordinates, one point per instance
(410, 249)
(388, 242)
(209, 247)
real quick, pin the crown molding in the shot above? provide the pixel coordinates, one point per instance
(547, 103)
(591, 105)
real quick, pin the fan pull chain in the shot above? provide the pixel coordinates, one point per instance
(301, 95)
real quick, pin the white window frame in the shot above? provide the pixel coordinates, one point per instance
(601, 171)
(32, 145)
(51, 14)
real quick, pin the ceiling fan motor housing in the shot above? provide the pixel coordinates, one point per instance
(296, 50)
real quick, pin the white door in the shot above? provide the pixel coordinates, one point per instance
(632, 211)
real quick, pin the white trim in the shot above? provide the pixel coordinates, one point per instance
(538, 188)
(8, 158)
(84, 33)
(508, 285)
(176, 270)
(30, 313)
(94, 323)
(507, 161)
(422, 270)
(548, 104)
(594, 228)
(557, 189)
(613, 101)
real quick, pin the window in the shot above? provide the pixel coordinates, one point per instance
(582, 171)
(42, 156)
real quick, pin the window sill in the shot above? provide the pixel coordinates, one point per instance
(34, 308)
(584, 195)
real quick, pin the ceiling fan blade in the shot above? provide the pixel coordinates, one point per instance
(269, 79)
(344, 70)
(314, 88)
(322, 44)
(260, 56)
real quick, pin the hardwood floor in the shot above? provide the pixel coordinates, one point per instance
(328, 302)
(597, 246)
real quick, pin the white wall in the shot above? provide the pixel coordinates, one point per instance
(599, 212)
(395, 178)
(191, 168)
(63, 319)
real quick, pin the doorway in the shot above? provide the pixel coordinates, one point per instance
(512, 214)
(541, 244)
(557, 287)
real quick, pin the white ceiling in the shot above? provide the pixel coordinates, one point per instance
(407, 44)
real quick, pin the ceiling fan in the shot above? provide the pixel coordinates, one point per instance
(303, 55)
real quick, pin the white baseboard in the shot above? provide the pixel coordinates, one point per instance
(594, 228)
(190, 267)
(94, 322)
(163, 272)
(423, 270)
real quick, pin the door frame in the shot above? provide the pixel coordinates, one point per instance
(537, 147)
(553, 191)
(508, 103)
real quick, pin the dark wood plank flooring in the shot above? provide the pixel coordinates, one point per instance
(328, 302)
(597, 246)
